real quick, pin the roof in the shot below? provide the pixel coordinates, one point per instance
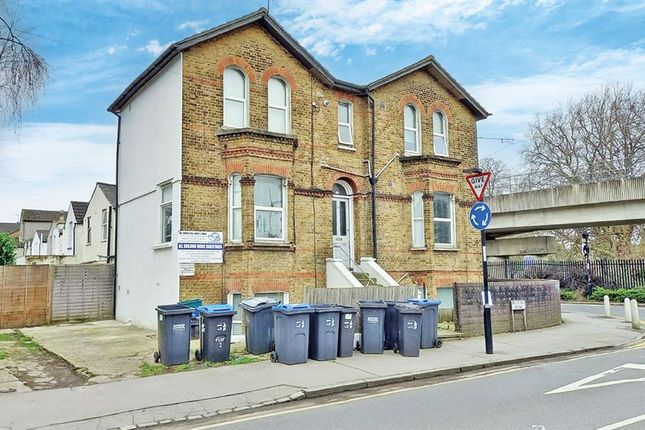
(9, 227)
(43, 235)
(38, 215)
(262, 17)
(109, 191)
(79, 209)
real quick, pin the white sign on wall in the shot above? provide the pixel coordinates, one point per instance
(200, 247)
(186, 269)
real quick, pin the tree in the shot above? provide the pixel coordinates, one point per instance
(498, 171)
(600, 136)
(7, 249)
(22, 71)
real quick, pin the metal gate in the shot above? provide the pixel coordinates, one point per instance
(83, 292)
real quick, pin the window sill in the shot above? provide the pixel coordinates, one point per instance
(446, 248)
(346, 147)
(408, 158)
(273, 246)
(418, 248)
(162, 246)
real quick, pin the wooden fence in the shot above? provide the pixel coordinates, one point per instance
(35, 295)
(605, 273)
(351, 296)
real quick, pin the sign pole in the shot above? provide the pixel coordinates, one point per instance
(488, 326)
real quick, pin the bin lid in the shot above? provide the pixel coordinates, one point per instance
(174, 309)
(347, 309)
(408, 308)
(379, 304)
(324, 307)
(216, 310)
(425, 302)
(255, 304)
(293, 309)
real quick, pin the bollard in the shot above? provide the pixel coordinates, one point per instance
(628, 310)
(607, 306)
(636, 318)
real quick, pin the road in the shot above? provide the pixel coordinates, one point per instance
(616, 310)
(607, 393)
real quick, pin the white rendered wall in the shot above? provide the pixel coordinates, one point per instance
(96, 250)
(149, 154)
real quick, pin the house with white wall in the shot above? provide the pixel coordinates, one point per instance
(97, 242)
(32, 221)
(73, 233)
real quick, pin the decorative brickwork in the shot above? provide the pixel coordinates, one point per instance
(283, 73)
(232, 60)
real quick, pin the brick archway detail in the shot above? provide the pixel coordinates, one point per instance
(411, 99)
(350, 179)
(232, 60)
(283, 72)
(441, 107)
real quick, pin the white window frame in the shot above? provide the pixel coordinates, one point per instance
(285, 295)
(231, 208)
(286, 108)
(88, 228)
(244, 100)
(230, 301)
(162, 205)
(349, 124)
(271, 209)
(104, 225)
(444, 135)
(453, 231)
(417, 131)
(416, 243)
(70, 235)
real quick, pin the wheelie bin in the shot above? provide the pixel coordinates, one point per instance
(372, 326)
(291, 333)
(323, 332)
(409, 338)
(173, 334)
(258, 318)
(215, 332)
(429, 322)
(391, 324)
(194, 321)
(346, 330)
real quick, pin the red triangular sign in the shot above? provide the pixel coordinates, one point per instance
(478, 183)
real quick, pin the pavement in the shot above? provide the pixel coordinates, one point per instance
(205, 393)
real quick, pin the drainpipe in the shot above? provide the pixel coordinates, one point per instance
(109, 233)
(116, 216)
(373, 179)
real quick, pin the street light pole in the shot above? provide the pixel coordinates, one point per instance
(488, 325)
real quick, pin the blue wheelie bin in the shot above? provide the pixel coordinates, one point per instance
(291, 333)
(429, 322)
(215, 335)
(173, 334)
(372, 326)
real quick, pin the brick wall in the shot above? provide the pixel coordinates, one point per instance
(210, 154)
(542, 305)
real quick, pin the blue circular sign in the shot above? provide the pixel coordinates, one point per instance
(480, 216)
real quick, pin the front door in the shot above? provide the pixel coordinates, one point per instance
(341, 206)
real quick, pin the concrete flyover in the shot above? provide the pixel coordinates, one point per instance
(614, 202)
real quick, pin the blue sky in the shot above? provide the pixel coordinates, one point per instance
(517, 57)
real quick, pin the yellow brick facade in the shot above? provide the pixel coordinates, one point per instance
(304, 158)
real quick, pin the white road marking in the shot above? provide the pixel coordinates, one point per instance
(623, 423)
(584, 383)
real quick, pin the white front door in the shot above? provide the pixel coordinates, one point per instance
(341, 206)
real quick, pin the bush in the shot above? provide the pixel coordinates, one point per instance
(567, 295)
(619, 295)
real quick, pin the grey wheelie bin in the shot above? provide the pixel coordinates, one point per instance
(346, 330)
(173, 334)
(291, 333)
(372, 326)
(258, 318)
(391, 324)
(323, 332)
(409, 339)
(215, 332)
(429, 322)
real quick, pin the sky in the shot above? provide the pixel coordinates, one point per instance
(518, 58)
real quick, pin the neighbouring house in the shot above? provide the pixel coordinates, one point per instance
(311, 179)
(73, 233)
(32, 221)
(97, 241)
(55, 240)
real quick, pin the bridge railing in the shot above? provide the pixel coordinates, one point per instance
(572, 274)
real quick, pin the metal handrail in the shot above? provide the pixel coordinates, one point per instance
(354, 264)
(405, 275)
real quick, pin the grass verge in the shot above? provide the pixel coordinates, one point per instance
(153, 369)
(2, 354)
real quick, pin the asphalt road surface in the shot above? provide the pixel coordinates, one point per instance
(603, 391)
(616, 310)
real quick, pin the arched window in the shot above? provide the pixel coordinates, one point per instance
(235, 98)
(440, 133)
(279, 112)
(418, 229)
(411, 131)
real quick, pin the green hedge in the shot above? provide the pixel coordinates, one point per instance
(567, 295)
(619, 295)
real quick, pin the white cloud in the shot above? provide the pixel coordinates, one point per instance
(196, 26)
(49, 164)
(326, 26)
(370, 51)
(154, 47)
(113, 49)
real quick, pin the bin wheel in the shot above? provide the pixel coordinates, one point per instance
(358, 345)
(156, 357)
(438, 343)
(198, 355)
(274, 357)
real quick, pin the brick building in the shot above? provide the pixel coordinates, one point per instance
(238, 129)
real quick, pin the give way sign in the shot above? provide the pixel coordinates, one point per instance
(478, 183)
